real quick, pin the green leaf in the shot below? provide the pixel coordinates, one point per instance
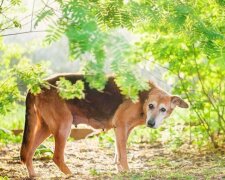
(67, 90)
(42, 16)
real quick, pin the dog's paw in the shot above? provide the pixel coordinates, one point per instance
(34, 175)
(69, 176)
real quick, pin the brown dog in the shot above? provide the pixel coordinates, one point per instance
(47, 113)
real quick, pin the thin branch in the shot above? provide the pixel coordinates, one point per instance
(32, 14)
(26, 32)
(56, 87)
(5, 81)
(1, 3)
(7, 8)
(25, 17)
(204, 90)
(164, 67)
(53, 10)
(203, 121)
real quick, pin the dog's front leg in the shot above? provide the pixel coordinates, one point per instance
(120, 150)
(126, 118)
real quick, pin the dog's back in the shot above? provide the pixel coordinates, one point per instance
(97, 105)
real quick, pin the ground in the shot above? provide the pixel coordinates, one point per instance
(88, 159)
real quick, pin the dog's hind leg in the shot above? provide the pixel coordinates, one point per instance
(61, 134)
(42, 132)
(36, 131)
(60, 142)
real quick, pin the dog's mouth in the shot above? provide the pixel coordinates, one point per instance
(153, 127)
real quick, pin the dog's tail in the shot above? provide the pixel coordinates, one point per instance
(30, 121)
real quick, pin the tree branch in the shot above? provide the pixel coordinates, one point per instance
(203, 121)
(32, 14)
(1, 3)
(25, 32)
(204, 90)
(25, 17)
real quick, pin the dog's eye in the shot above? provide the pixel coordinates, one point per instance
(151, 106)
(163, 110)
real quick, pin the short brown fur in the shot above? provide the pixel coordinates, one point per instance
(47, 113)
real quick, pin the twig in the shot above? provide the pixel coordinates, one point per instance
(53, 10)
(203, 121)
(26, 32)
(32, 14)
(204, 90)
(1, 3)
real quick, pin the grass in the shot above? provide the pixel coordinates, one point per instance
(163, 174)
(213, 170)
(93, 172)
(186, 164)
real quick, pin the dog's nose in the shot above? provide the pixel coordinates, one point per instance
(151, 123)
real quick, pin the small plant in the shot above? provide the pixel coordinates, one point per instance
(94, 172)
(14, 119)
(4, 178)
(144, 134)
(7, 136)
(43, 152)
(106, 139)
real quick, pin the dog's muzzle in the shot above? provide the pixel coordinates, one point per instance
(151, 123)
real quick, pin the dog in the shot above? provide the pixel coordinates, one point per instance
(48, 114)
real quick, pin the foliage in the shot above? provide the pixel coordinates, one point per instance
(8, 19)
(69, 90)
(6, 137)
(19, 74)
(16, 74)
(43, 152)
(190, 43)
(13, 119)
(88, 26)
(4, 178)
(93, 172)
(144, 135)
(106, 139)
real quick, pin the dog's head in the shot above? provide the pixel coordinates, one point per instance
(159, 105)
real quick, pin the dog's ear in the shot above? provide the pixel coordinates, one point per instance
(152, 84)
(177, 101)
(143, 96)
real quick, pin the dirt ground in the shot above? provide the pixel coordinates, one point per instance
(89, 160)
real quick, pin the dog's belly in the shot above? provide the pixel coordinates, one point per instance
(96, 124)
(91, 115)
